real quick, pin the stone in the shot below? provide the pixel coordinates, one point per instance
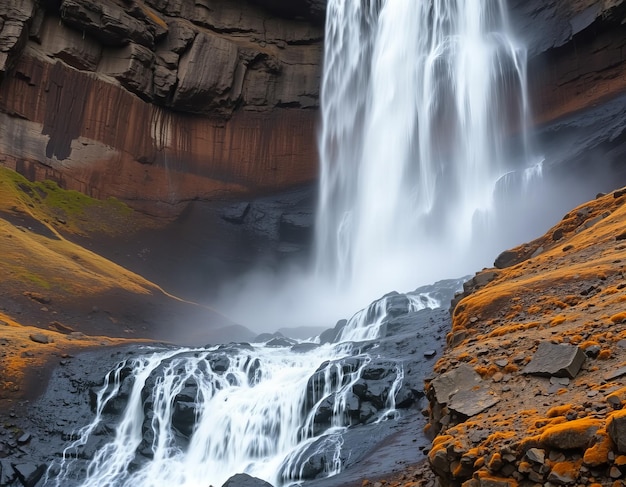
(25, 438)
(571, 435)
(235, 213)
(616, 428)
(40, 338)
(29, 473)
(563, 476)
(615, 374)
(179, 37)
(508, 258)
(245, 480)
(69, 45)
(559, 360)
(536, 455)
(164, 82)
(463, 391)
(593, 351)
(132, 66)
(106, 22)
(304, 347)
(206, 74)
(7, 472)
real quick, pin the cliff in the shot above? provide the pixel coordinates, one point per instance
(159, 103)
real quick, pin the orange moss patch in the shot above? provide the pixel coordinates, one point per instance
(557, 320)
(598, 454)
(567, 469)
(604, 354)
(558, 411)
(618, 317)
(574, 434)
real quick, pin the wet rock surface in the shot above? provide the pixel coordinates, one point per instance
(30, 442)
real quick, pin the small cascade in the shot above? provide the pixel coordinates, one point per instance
(274, 410)
(420, 101)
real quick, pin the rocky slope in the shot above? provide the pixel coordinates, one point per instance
(158, 103)
(531, 388)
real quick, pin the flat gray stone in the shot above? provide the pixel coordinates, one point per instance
(41, 338)
(556, 360)
(464, 392)
(616, 374)
(470, 402)
(448, 384)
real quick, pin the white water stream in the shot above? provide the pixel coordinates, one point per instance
(419, 100)
(254, 411)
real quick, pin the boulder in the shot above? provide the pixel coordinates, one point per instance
(236, 213)
(69, 45)
(571, 435)
(7, 472)
(41, 338)
(558, 360)
(463, 391)
(245, 480)
(107, 22)
(29, 473)
(330, 335)
(164, 83)
(206, 74)
(616, 427)
(132, 67)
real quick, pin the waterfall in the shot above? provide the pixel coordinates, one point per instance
(191, 417)
(419, 104)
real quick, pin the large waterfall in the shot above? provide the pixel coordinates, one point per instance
(419, 102)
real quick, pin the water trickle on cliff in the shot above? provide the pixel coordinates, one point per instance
(419, 100)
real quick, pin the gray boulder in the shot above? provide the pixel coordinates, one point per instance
(556, 360)
(245, 480)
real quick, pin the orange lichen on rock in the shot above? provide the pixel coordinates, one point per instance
(557, 320)
(570, 435)
(565, 472)
(598, 454)
(559, 411)
(618, 317)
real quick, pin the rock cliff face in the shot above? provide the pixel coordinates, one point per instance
(160, 102)
(576, 53)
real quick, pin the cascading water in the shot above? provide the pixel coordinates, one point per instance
(192, 417)
(419, 102)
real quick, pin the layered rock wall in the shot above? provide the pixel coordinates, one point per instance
(159, 103)
(577, 55)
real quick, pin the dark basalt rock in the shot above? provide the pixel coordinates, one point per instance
(245, 480)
